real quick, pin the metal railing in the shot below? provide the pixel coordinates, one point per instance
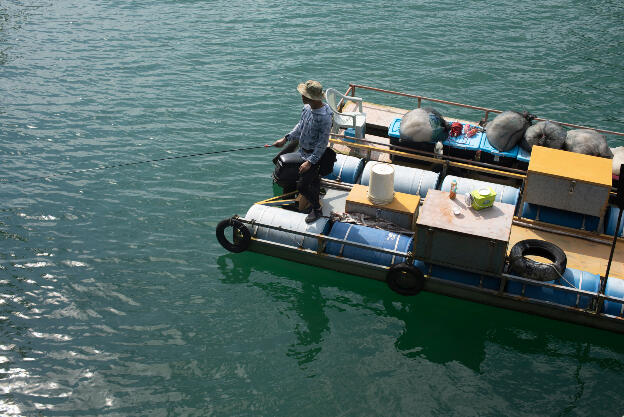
(487, 111)
(596, 297)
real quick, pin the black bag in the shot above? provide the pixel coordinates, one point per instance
(287, 169)
(326, 164)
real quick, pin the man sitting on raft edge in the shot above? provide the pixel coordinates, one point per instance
(312, 131)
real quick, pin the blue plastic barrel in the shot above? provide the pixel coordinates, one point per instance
(368, 236)
(504, 193)
(560, 217)
(465, 277)
(571, 278)
(346, 169)
(614, 288)
(291, 220)
(611, 221)
(406, 180)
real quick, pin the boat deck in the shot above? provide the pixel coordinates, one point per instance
(582, 254)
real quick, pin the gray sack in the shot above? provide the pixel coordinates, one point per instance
(507, 129)
(588, 142)
(548, 134)
(423, 125)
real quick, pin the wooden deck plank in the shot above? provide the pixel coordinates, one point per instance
(376, 114)
(582, 254)
(380, 142)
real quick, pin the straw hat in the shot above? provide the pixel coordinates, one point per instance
(311, 89)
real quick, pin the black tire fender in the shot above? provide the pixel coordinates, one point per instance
(405, 279)
(520, 265)
(241, 232)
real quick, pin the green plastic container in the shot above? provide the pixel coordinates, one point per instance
(482, 198)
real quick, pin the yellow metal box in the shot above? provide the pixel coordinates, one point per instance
(568, 181)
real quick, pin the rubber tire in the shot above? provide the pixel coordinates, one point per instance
(405, 279)
(539, 271)
(242, 243)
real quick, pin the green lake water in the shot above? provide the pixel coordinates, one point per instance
(115, 297)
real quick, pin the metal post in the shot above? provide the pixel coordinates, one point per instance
(620, 203)
(615, 236)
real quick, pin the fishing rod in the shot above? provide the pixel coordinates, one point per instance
(125, 164)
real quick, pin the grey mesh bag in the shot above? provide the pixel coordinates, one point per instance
(507, 129)
(545, 133)
(423, 125)
(588, 142)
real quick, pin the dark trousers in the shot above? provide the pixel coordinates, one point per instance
(309, 185)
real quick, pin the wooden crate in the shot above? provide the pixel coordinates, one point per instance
(402, 211)
(472, 240)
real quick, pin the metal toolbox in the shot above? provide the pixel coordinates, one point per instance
(450, 233)
(568, 181)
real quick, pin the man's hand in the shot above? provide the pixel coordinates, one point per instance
(280, 142)
(304, 167)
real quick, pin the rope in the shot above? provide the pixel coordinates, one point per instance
(125, 164)
(562, 277)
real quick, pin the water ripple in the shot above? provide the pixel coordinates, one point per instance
(115, 297)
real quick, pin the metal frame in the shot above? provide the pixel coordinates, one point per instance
(589, 316)
(497, 298)
(487, 111)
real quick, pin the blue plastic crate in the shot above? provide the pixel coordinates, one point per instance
(394, 130)
(349, 135)
(462, 146)
(485, 146)
(492, 155)
(524, 157)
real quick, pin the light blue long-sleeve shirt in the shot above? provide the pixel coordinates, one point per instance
(313, 132)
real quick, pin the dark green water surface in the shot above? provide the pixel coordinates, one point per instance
(115, 297)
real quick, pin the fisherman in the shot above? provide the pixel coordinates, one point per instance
(312, 132)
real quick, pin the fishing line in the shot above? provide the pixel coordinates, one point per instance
(125, 164)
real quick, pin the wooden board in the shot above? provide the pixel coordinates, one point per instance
(402, 203)
(582, 254)
(491, 223)
(402, 210)
(376, 114)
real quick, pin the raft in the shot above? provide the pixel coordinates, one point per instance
(443, 243)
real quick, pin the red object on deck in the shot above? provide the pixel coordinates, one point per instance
(456, 129)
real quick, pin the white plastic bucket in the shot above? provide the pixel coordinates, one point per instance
(381, 186)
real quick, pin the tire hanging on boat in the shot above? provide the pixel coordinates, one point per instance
(405, 279)
(520, 265)
(242, 236)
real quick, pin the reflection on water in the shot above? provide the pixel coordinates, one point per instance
(438, 328)
(307, 301)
